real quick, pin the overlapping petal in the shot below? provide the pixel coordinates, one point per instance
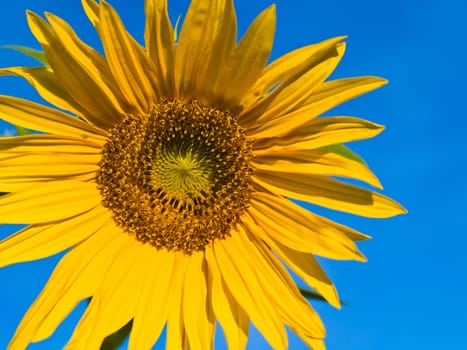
(115, 299)
(77, 79)
(53, 201)
(196, 36)
(315, 161)
(34, 116)
(153, 304)
(39, 240)
(76, 277)
(329, 193)
(292, 225)
(132, 69)
(248, 59)
(160, 45)
(231, 316)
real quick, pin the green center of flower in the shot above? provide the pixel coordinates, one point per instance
(182, 175)
(177, 178)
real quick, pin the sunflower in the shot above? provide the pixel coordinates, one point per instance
(166, 172)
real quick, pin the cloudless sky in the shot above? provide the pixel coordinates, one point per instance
(412, 293)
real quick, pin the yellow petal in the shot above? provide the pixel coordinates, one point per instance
(49, 143)
(93, 62)
(75, 78)
(290, 64)
(214, 60)
(334, 92)
(232, 317)
(329, 193)
(34, 116)
(176, 335)
(75, 278)
(196, 36)
(325, 96)
(317, 133)
(315, 344)
(92, 11)
(53, 201)
(42, 240)
(316, 162)
(18, 185)
(114, 302)
(307, 268)
(281, 289)
(290, 94)
(297, 228)
(131, 68)
(247, 288)
(248, 59)
(27, 167)
(47, 85)
(152, 308)
(197, 311)
(158, 36)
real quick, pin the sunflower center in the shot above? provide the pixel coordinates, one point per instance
(178, 178)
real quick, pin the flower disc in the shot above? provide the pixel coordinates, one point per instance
(177, 178)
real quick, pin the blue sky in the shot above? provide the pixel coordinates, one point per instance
(412, 292)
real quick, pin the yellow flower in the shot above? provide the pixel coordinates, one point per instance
(167, 170)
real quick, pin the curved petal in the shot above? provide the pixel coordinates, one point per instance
(42, 240)
(314, 344)
(76, 277)
(47, 85)
(307, 268)
(303, 264)
(176, 335)
(114, 302)
(316, 162)
(25, 167)
(160, 45)
(132, 69)
(240, 276)
(248, 59)
(291, 93)
(283, 68)
(197, 310)
(326, 96)
(91, 60)
(196, 37)
(329, 193)
(232, 317)
(51, 202)
(35, 116)
(91, 7)
(215, 59)
(295, 311)
(154, 302)
(95, 104)
(48, 143)
(318, 133)
(297, 228)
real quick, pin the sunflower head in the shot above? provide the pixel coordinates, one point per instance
(166, 173)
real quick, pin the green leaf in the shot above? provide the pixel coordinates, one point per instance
(22, 131)
(343, 151)
(309, 294)
(113, 341)
(36, 54)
